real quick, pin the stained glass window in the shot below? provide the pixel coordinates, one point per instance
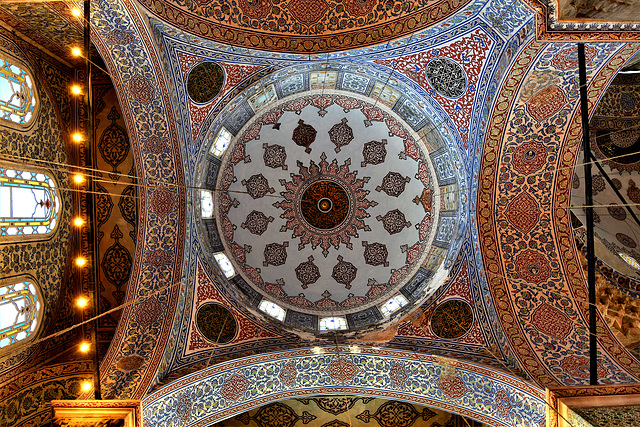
(261, 98)
(333, 324)
(20, 312)
(17, 95)
(272, 309)
(206, 200)
(630, 260)
(225, 264)
(29, 203)
(220, 143)
(393, 305)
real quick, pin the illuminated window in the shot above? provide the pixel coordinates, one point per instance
(220, 143)
(20, 312)
(29, 203)
(630, 260)
(224, 264)
(263, 97)
(17, 95)
(393, 305)
(206, 200)
(333, 324)
(272, 309)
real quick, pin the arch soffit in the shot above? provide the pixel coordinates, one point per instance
(233, 387)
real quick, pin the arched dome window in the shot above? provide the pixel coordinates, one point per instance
(29, 203)
(20, 311)
(17, 94)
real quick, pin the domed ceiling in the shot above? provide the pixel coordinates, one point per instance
(328, 203)
(302, 25)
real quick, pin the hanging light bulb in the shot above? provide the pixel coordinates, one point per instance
(86, 386)
(81, 262)
(82, 302)
(78, 222)
(75, 11)
(76, 51)
(84, 347)
(76, 90)
(78, 179)
(77, 137)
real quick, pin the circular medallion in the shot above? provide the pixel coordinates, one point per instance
(452, 319)
(324, 204)
(216, 323)
(205, 82)
(447, 77)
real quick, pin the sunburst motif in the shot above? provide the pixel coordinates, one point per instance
(354, 220)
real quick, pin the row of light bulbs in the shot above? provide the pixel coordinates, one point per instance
(82, 301)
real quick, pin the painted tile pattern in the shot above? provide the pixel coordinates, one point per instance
(233, 387)
(512, 165)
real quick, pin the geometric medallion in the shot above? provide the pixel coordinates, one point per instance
(375, 253)
(257, 222)
(393, 184)
(394, 221)
(523, 212)
(341, 134)
(304, 135)
(307, 273)
(275, 254)
(451, 319)
(205, 82)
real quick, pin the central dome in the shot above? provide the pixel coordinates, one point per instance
(326, 203)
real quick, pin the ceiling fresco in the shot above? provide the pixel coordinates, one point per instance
(49, 24)
(244, 384)
(343, 170)
(308, 26)
(435, 160)
(543, 72)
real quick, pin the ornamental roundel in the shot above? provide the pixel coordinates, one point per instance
(532, 266)
(323, 241)
(374, 152)
(529, 157)
(626, 240)
(205, 82)
(452, 319)
(325, 204)
(216, 323)
(617, 212)
(447, 77)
